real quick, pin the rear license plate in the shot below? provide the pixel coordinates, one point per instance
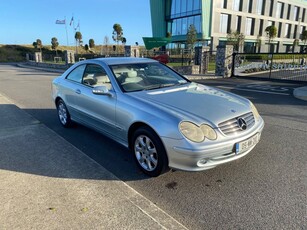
(245, 145)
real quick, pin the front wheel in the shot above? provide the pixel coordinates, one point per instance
(63, 114)
(149, 152)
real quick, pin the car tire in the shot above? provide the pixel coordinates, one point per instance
(149, 152)
(63, 114)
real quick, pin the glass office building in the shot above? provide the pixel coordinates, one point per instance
(213, 19)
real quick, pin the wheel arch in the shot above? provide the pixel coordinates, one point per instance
(136, 126)
(57, 100)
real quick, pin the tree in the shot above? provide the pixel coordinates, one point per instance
(236, 39)
(78, 37)
(191, 36)
(106, 42)
(54, 44)
(35, 45)
(124, 40)
(191, 39)
(86, 47)
(117, 33)
(271, 32)
(38, 44)
(91, 43)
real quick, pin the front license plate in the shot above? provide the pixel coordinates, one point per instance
(245, 145)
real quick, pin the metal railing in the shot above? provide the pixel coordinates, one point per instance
(282, 66)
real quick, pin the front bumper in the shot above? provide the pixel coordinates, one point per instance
(206, 156)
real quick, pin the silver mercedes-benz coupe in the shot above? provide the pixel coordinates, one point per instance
(163, 118)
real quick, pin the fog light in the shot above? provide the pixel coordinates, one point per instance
(202, 161)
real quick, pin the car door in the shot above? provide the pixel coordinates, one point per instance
(97, 111)
(70, 89)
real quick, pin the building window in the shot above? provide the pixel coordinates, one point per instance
(250, 6)
(279, 30)
(183, 8)
(289, 12)
(237, 5)
(271, 8)
(197, 23)
(261, 27)
(238, 23)
(180, 26)
(184, 13)
(184, 23)
(224, 4)
(224, 23)
(296, 12)
(287, 30)
(279, 10)
(259, 7)
(295, 32)
(248, 26)
(303, 15)
(189, 7)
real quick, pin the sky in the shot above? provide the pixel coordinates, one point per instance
(22, 21)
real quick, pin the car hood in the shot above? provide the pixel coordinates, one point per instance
(197, 102)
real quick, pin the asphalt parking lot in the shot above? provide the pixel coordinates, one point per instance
(264, 190)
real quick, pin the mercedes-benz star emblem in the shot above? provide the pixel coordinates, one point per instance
(242, 123)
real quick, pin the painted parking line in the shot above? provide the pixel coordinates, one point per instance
(254, 90)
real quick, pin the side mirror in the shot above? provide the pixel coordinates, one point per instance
(101, 90)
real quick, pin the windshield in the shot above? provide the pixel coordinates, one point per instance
(145, 76)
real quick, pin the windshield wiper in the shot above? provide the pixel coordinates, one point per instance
(159, 86)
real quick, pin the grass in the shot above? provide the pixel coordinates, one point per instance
(13, 53)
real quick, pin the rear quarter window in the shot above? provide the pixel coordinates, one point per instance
(77, 74)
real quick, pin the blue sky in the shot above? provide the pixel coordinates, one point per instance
(22, 22)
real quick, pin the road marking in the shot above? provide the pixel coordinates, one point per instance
(252, 90)
(273, 88)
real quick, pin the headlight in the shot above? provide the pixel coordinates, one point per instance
(195, 133)
(255, 112)
(208, 132)
(191, 131)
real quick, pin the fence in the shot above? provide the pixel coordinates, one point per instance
(283, 66)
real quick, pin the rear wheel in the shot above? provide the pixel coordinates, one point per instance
(149, 152)
(63, 114)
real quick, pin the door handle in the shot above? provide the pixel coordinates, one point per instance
(78, 91)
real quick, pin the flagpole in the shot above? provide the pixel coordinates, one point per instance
(66, 31)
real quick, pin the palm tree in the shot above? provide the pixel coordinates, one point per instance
(91, 43)
(78, 37)
(38, 44)
(117, 33)
(54, 44)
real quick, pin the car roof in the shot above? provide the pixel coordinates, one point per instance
(121, 60)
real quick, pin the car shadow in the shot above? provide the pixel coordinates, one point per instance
(33, 141)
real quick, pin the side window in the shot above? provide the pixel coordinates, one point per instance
(95, 75)
(76, 74)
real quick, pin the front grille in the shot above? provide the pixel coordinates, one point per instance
(232, 127)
